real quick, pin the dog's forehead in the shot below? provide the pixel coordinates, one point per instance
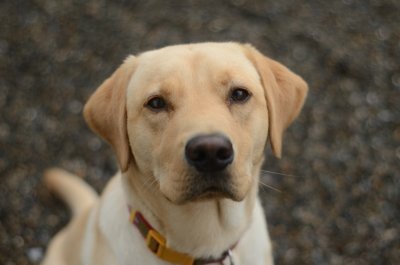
(195, 58)
(209, 48)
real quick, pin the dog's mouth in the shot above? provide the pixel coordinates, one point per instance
(206, 187)
(211, 193)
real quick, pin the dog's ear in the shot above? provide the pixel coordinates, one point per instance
(105, 111)
(285, 93)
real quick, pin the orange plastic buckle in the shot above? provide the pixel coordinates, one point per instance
(155, 242)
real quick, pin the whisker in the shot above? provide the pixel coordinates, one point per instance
(149, 183)
(277, 173)
(270, 187)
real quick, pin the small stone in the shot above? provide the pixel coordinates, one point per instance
(217, 25)
(238, 2)
(398, 152)
(95, 144)
(383, 33)
(299, 53)
(385, 116)
(19, 241)
(75, 107)
(35, 254)
(396, 79)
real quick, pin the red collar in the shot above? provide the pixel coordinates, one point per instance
(157, 244)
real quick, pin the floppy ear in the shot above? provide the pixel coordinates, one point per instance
(285, 93)
(105, 111)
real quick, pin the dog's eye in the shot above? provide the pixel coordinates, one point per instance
(239, 95)
(156, 104)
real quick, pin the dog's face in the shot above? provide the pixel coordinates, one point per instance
(195, 118)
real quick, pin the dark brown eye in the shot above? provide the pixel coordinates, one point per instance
(239, 95)
(156, 104)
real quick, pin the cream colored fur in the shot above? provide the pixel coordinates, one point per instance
(195, 80)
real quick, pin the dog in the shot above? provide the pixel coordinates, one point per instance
(188, 125)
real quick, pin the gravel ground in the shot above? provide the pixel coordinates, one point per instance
(339, 197)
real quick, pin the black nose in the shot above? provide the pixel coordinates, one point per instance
(209, 153)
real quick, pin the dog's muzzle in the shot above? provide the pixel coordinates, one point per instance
(209, 155)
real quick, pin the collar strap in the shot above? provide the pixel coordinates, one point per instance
(156, 243)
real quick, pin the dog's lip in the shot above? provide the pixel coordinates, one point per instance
(207, 194)
(210, 191)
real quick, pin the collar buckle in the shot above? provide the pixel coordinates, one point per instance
(155, 242)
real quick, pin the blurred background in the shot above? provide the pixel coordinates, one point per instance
(339, 192)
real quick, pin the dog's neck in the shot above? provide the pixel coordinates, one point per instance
(201, 229)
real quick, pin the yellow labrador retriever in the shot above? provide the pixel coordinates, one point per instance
(188, 124)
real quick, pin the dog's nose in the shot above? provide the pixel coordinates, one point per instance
(209, 153)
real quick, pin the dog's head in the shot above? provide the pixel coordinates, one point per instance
(196, 117)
